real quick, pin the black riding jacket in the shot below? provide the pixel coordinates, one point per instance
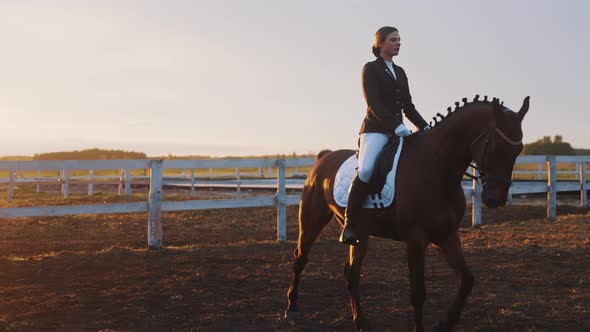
(387, 98)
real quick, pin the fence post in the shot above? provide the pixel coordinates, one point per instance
(155, 205)
(476, 202)
(540, 171)
(38, 185)
(552, 189)
(583, 192)
(281, 201)
(238, 181)
(61, 178)
(127, 181)
(10, 184)
(91, 183)
(192, 182)
(66, 184)
(121, 179)
(510, 190)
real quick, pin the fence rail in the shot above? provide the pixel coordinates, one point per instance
(155, 206)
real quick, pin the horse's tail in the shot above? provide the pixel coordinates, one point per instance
(323, 153)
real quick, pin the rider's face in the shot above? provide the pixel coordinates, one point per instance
(391, 44)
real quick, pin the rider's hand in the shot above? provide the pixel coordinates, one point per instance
(402, 130)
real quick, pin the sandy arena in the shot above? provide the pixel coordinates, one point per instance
(222, 270)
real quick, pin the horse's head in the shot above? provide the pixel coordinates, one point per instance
(495, 152)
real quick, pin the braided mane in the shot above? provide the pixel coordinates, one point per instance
(450, 112)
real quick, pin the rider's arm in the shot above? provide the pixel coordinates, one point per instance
(410, 110)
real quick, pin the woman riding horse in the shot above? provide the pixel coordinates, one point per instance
(430, 201)
(386, 90)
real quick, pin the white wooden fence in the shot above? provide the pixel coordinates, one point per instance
(551, 187)
(155, 206)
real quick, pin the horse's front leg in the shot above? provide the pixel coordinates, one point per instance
(352, 274)
(451, 250)
(415, 252)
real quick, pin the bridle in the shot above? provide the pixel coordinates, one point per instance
(485, 138)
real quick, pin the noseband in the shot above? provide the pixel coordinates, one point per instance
(487, 136)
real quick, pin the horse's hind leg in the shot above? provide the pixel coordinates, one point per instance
(314, 215)
(451, 250)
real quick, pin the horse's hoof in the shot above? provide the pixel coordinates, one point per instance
(291, 316)
(443, 326)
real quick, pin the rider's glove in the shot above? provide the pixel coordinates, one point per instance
(402, 130)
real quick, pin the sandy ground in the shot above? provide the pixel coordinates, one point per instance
(222, 270)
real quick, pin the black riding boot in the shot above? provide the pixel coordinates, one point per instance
(358, 192)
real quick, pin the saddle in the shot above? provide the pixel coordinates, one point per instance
(382, 182)
(383, 164)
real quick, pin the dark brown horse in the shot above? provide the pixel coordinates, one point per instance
(429, 203)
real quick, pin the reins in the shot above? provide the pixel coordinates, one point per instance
(484, 177)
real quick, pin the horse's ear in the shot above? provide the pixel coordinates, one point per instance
(524, 108)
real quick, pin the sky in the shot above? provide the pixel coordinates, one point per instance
(265, 77)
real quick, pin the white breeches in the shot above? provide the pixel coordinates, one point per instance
(370, 146)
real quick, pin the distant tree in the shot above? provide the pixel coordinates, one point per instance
(14, 158)
(546, 146)
(90, 154)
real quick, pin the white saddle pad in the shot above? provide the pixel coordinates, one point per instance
(347, 171)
